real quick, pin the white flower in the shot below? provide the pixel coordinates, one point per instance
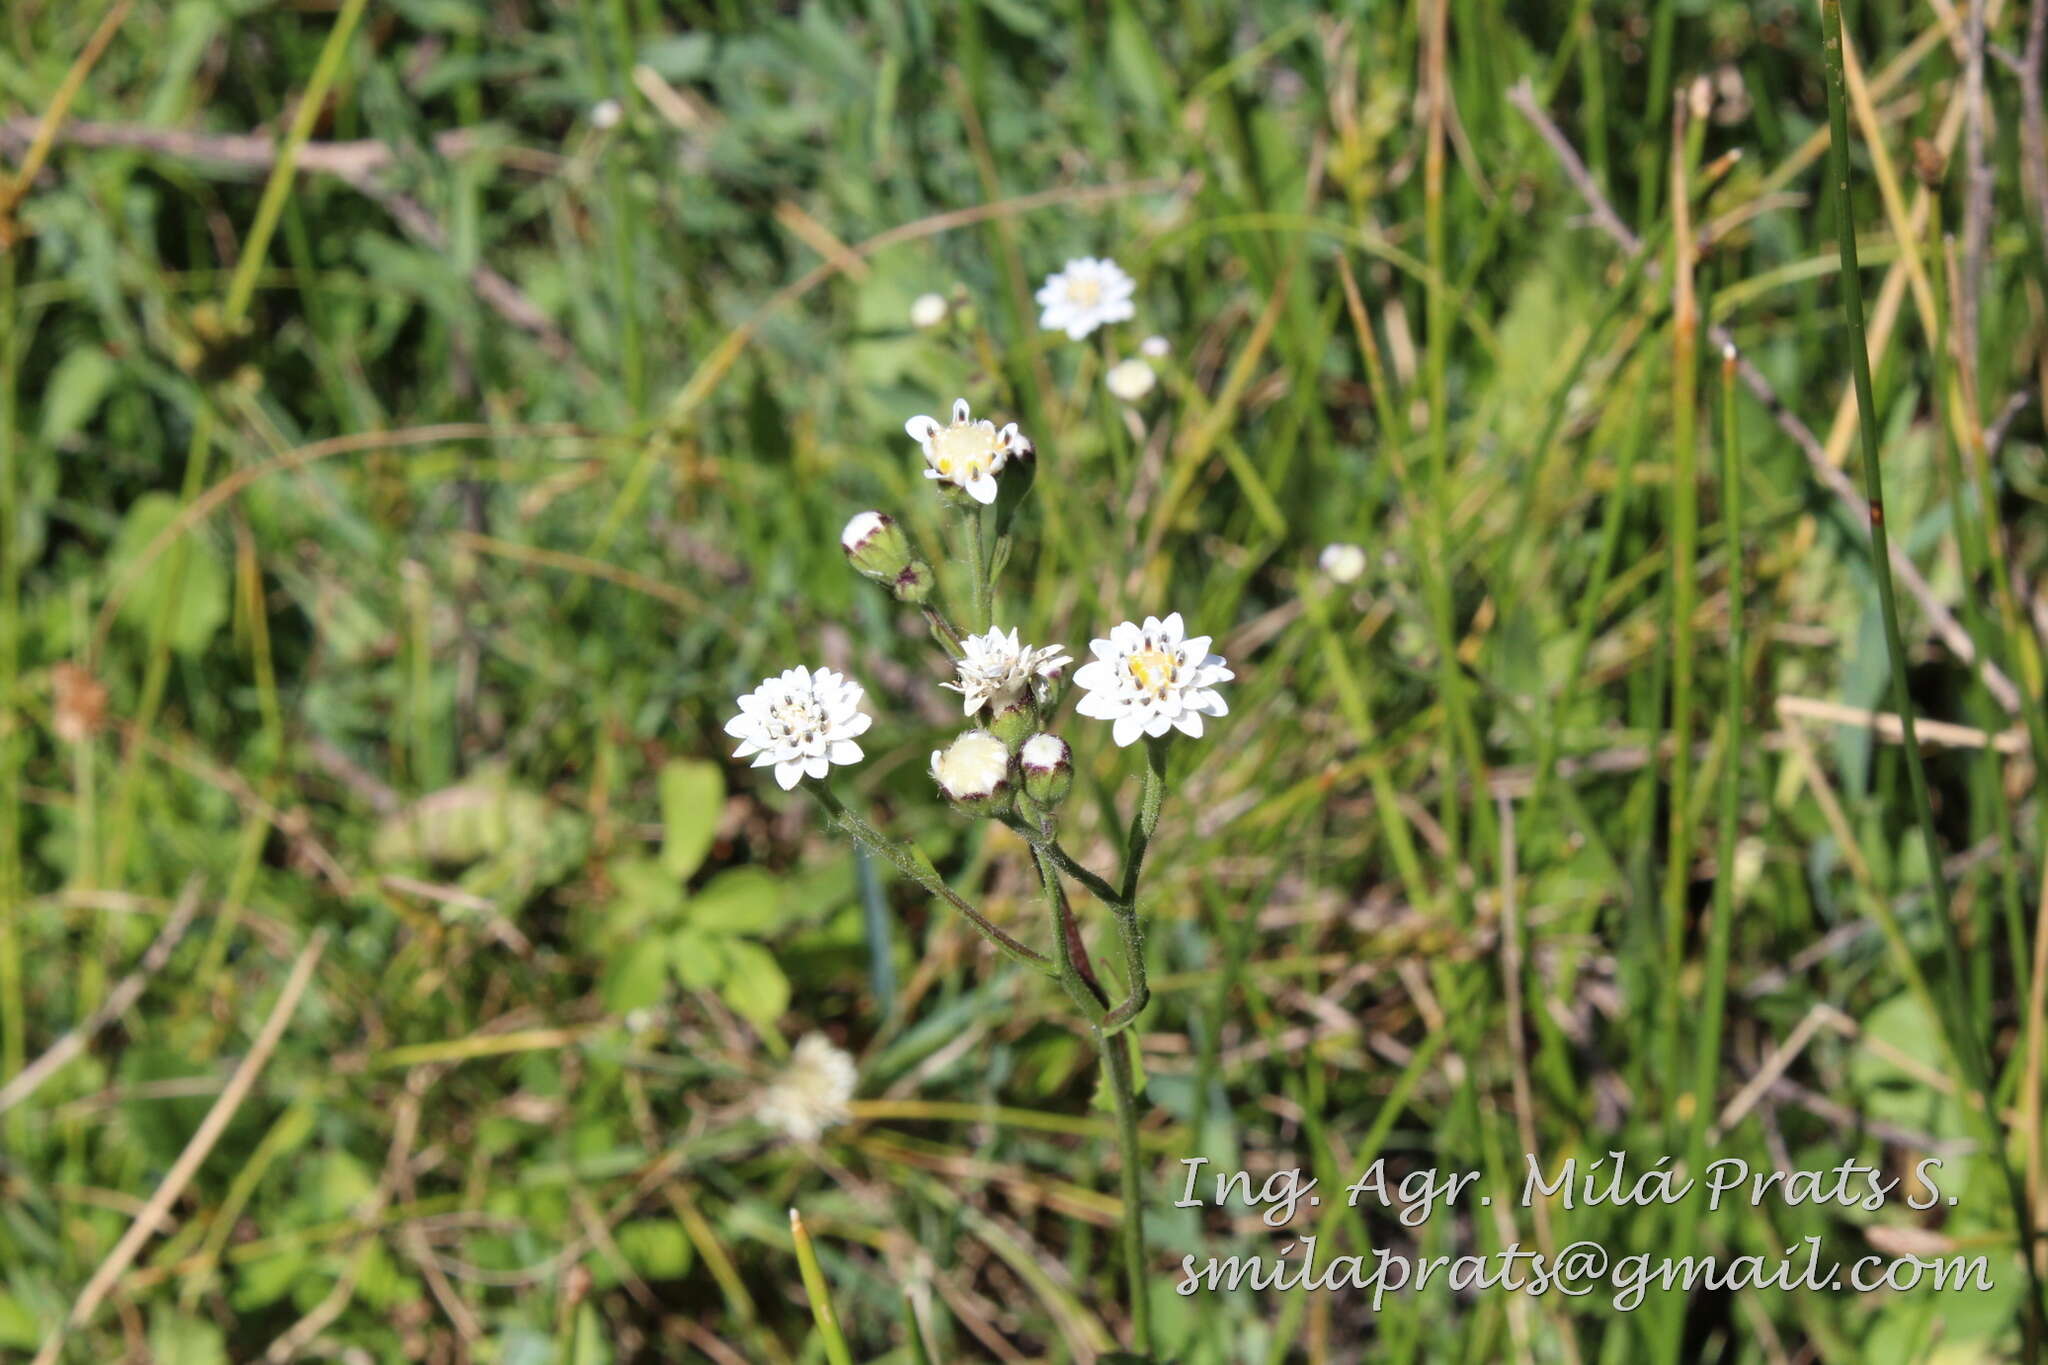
(928, 310)
(811, 1093)
(973, 767)
(1342, 563)
(1155, 346)
(968, 453)
(802, 722)
(1152, 678)
(1087, 294)
(605, 114)
(1130, 379)
(995, 668)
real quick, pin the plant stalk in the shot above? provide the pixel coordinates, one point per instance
(1968, 1045)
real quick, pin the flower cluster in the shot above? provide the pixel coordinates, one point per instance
(1149, 680)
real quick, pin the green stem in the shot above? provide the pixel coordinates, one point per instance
(943, 630)
(906, 858)
(1968, 1045)
(1684, 512)
(1707, 1058)
(1117, 1071)
(1147, 818)
(815, 1289)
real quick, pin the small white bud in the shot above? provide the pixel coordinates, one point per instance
(1130, 380)
(1342, 563)
(928, 310)
(1155, 346)
(1048, 769)
(606, 114)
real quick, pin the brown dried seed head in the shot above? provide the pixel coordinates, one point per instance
(80, 703)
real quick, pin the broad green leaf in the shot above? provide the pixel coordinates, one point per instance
(18, 1326)
(754, 984)
(692, 794)
(175, 1339)
(656, 1247)
(745, 900)
(262, 1283)
(75, 390)
(634, 979)
(201, 603)
(699, 959)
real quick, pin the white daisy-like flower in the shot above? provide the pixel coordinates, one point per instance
(1130, 379)
(1089, 293)
(1152, 678)
(995, 669)
(802, 722)
(812, 1092)
(928, 310)
(967, 453)
(974, 767)
(1342, 563)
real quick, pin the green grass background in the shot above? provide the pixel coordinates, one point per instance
(421, 556)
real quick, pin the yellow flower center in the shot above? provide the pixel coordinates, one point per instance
(964, 450)
(1154, 670)
(1085, 292)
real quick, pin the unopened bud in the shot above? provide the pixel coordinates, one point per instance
(1048, 685)
(1014, 719)
(973, 772)
(876, 546)
(1048, 769)
(914, 584)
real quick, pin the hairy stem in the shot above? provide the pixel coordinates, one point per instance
(905, 858)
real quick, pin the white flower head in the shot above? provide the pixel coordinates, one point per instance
(1342, 563)
(1089, 293)
(811, 1093)
(928, 310)
(1130, 379)
(1152, 678)
(1155, 346)
(968, 454)
(974, 767)
(803, 722)
(995, 669)
(606, 114)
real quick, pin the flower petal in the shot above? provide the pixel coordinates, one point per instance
(1126, 730)
(961, 411)
(1189, 723)
(788, 774)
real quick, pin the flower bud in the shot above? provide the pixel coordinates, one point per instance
(1048, 769)
(915, 583)
(973, 772)
(1013, 719)
(1130, 380)
(876, 546)
(1048, 685)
